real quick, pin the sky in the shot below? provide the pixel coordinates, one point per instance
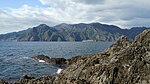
(16, 15)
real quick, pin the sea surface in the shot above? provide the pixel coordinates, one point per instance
(16, 61)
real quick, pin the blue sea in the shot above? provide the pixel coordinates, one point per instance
(16, 61)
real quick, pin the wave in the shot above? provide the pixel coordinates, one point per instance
(26, 57)
(41, 60)
(59, 70)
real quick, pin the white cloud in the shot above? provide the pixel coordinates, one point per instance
(25, 17)
(89, 2)
(125, 13)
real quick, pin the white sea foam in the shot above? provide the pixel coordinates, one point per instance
(26, 57)
(41, 61)
(59, 70)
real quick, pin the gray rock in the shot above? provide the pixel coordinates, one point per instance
(50, 60)
(128, 64)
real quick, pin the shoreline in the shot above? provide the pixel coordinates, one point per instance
(123, 62)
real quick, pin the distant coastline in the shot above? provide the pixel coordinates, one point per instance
(73, 33)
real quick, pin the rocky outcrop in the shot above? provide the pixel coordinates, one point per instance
(128, 64)
(50, 60)
(123, 63)
(58, 60)
(121, 44)
(143, 38)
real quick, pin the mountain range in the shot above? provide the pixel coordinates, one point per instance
(73, 32)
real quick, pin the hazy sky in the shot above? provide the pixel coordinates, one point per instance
(17, 15)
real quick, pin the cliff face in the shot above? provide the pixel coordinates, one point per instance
(123, 63)
(72, 32)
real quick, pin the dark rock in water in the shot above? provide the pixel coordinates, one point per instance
(41, 57)
(59, 60)
(50, 60)
(27, 77)
(123, 63)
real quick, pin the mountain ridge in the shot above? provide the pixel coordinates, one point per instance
(124, 62)
(72, 32)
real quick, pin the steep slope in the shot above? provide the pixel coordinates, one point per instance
(39, 33)
(72, 32)
(123, 63)
(96, 31)
(13, 36)
(93, 31)
(131, 33)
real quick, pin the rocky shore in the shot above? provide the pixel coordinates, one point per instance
(122, 63)
(61, 61)
(50, 60)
